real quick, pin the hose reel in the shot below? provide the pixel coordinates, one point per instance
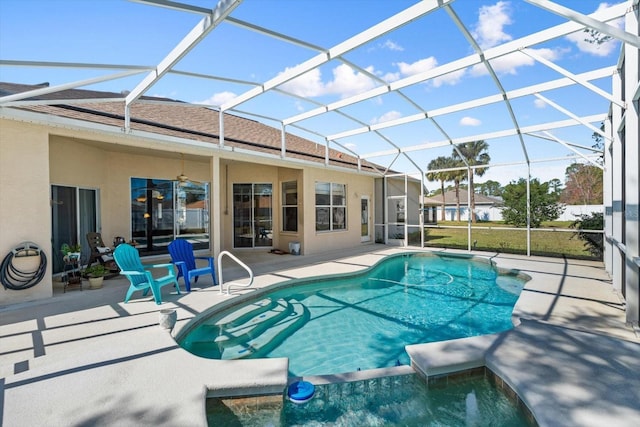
(15, 278)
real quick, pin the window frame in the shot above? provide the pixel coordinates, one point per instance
(284, 226)
(334, 213)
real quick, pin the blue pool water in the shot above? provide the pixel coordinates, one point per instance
(335, 325)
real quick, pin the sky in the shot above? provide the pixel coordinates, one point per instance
(129, 33)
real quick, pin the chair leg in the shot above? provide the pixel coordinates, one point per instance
(177, 286)
(187, 282)
(129, 293)
(157, 296)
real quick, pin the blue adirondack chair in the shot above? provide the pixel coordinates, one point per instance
(139, 275)
(182, 256)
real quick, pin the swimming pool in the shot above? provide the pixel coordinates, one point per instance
(363, 321)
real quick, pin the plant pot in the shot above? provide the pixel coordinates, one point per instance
(95, 282)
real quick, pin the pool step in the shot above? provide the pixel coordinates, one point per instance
(269, 338)
(244, 314)
(205, 332)
(233, 333)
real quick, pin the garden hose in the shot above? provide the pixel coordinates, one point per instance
(16, 279)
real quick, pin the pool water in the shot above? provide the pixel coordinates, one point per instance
(403, 400)
(364, 321)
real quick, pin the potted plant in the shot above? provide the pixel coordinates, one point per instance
(95, 274)
(71, 252)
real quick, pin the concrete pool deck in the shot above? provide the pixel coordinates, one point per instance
(86, 358)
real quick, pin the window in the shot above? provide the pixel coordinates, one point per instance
(163, 210)
(290, 206)
(331, 209)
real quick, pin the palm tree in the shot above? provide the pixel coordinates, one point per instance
(457, 176)
(441, 162)
(474, 153)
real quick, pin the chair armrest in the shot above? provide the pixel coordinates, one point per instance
(158, 265)
(208, 259)
(170, 267)
(132, 272)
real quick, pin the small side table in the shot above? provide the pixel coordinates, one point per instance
(71, 274)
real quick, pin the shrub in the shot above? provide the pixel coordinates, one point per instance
(593, 242)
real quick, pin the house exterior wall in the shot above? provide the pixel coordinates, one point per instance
(87, 164)
(25, 211)
(357, 186)
(33, 157)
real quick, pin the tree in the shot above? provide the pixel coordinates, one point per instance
(556, 185)
(544, 203)
(441, 162)
(489, 188)
(583, 185)
(474, 153)
(457, 176)
(594, 242)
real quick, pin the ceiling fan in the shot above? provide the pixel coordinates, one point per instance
(184, 179)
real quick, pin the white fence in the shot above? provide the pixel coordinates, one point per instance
(570, 213)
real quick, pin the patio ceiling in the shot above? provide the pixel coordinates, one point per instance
(399, 121)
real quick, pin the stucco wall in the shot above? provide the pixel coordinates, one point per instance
(25, 212)
(357, 186)
(34, 157)
(87, 164)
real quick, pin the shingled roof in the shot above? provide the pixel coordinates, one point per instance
(167, 117)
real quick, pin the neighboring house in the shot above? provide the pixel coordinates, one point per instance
(486, 208)
(67, 167)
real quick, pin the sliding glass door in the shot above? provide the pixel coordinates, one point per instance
(74, 213)
(163, 210)
(151, 214)
(252, 215)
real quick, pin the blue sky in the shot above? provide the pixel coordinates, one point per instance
(130, 33)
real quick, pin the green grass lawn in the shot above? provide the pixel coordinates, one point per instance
(546, 242)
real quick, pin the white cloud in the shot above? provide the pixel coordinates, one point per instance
(390, 77)
(346, 82)
(450, 79)
(351, 146)
(509, 64)
(422, 65)
(539, 103)
(391, 115)
(605, 49)
(470, 121)
(391, 45)
(491, 21)
(217, 99)
(308, 84)
(419, 66)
